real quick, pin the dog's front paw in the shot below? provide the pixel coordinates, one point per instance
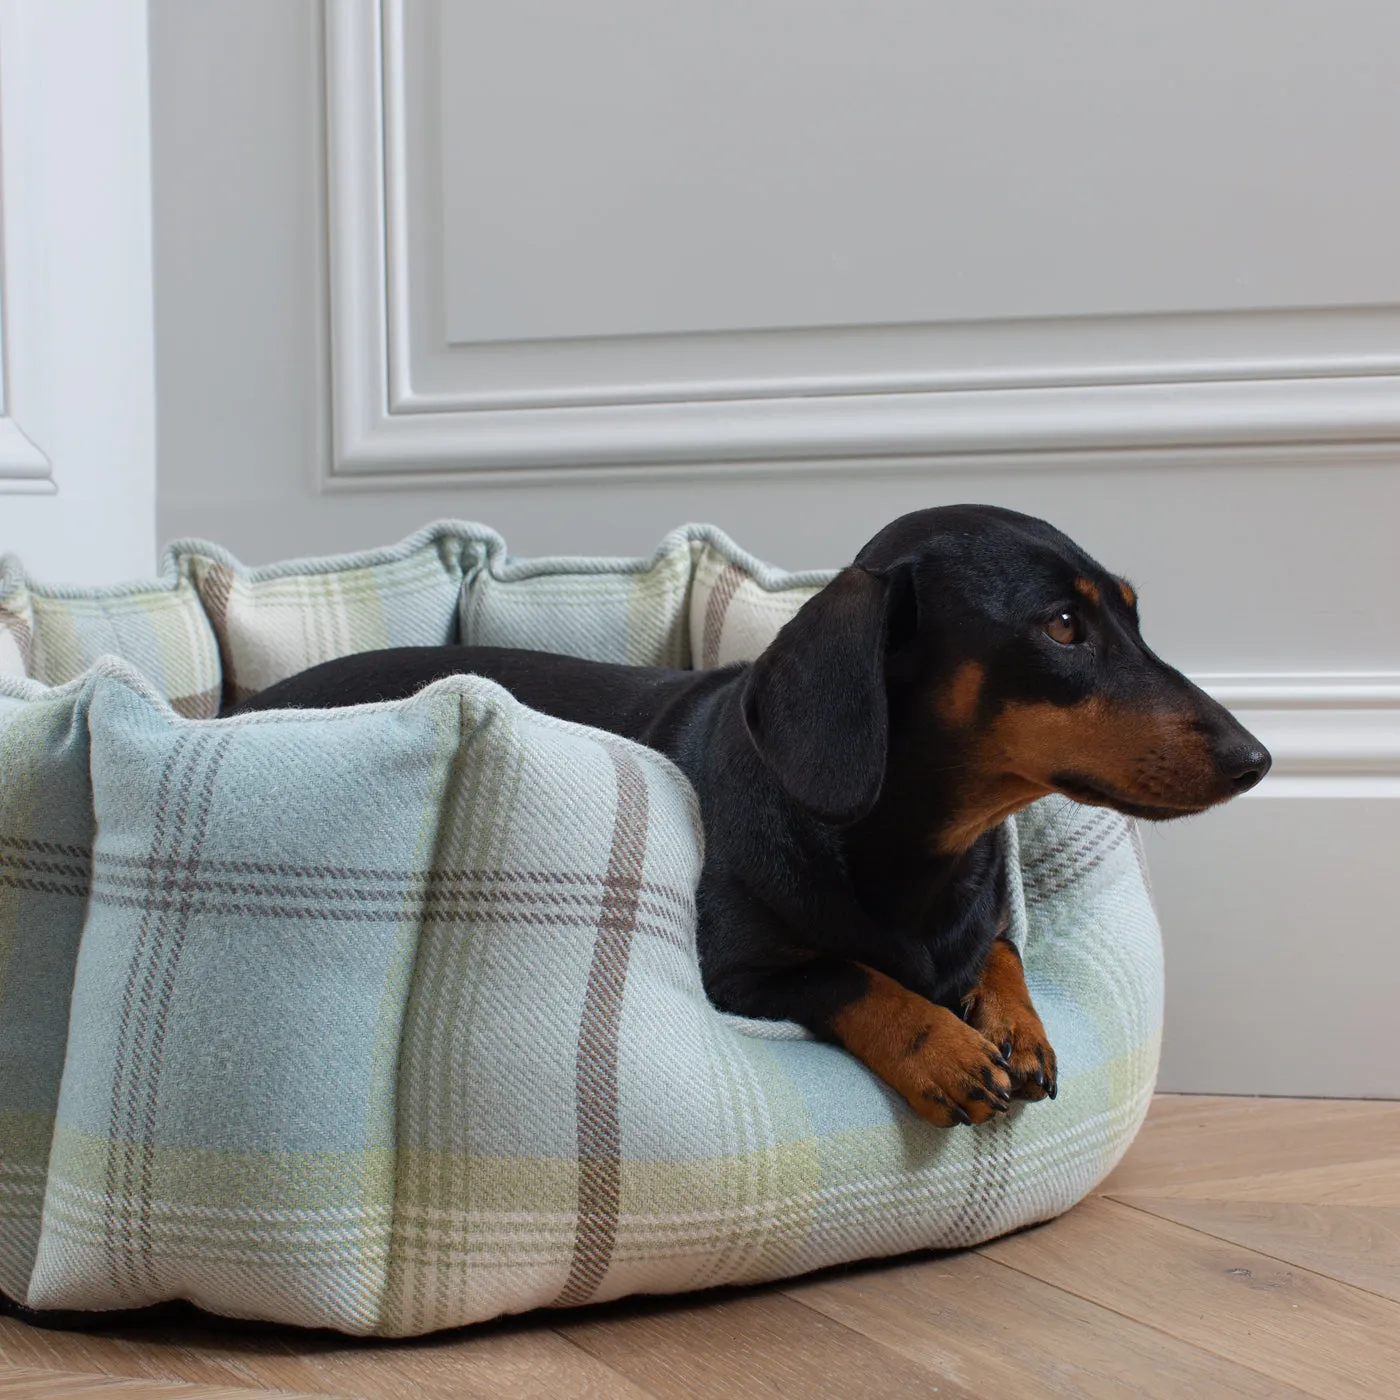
(1019, 1036)
(953, 1074)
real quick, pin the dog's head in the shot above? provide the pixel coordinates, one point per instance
(982, 651)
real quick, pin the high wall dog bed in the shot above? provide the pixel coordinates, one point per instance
(389, 1019)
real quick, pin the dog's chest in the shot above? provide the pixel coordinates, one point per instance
(942, 924)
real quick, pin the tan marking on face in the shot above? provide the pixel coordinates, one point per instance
(984, 801)
(958, 702)
(1126, 589)
(1150, 759)
(1087, 588)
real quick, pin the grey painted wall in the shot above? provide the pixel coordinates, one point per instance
(1270, 562)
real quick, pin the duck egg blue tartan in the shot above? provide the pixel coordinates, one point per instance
(46, 834)
(390, 1019)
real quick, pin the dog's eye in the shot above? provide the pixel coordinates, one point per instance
(1064, 628)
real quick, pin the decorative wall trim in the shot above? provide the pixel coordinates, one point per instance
(1331, 734)
(387, 429)
(24, 470)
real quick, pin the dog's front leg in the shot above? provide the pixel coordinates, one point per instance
(1000, 1008)
(947, 1070)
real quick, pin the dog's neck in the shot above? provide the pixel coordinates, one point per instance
(928, 831)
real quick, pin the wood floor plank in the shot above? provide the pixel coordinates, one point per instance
(1001, 1333)
(1369, 1182)
(27, 1383)
(1359, 1245)
(1287, 1322)
(140, 1354)
(757, 1345)
(1200, 1139)
(524, 1360)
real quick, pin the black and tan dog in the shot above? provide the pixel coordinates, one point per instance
(854, 780)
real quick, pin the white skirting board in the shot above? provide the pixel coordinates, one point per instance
(1278, 912)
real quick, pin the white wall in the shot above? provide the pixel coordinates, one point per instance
(587, 272)
(77, 372)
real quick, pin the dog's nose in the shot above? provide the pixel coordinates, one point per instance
(1243, 765)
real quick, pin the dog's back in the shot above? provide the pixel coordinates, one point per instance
(625, 700)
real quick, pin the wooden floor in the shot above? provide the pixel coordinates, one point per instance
(1245, 1247)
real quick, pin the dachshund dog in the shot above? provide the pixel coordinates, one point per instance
(853, 782)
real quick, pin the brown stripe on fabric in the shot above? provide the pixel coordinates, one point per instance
(397, 880)
(24, 637)
(16, 864)
(1055, 870)
(175, 946)
(205, 705)
(140, 1044)
(323, 908)
(278, 868)
(119, 1148)
(598, 1088)
(716, 610)
(391, 896)
(214, 584)
(29, 866)
(1076, 833)
(328, 907)
(48, 848)
(33, 885)
(659, 923)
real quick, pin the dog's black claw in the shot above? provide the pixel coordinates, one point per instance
(1001, 1062)
(1053, 1089)
(997, 1101)
(1006, 1048)
(962, 1114)
(994, 1087)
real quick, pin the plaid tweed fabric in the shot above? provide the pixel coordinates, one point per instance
(738, 605)
(390, 1019)
(46, 832)
(631, 611)
(274, 621)
(55, 634)
(699, 600)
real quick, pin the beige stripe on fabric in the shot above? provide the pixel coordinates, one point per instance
(215, 589)
(716, 610)
(204, 705)
(599, 1099)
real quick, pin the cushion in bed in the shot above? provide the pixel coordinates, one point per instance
(276, 620)
(53, 634)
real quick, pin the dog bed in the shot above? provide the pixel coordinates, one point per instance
(389, 1019)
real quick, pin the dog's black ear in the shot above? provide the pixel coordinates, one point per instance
(815, 703)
